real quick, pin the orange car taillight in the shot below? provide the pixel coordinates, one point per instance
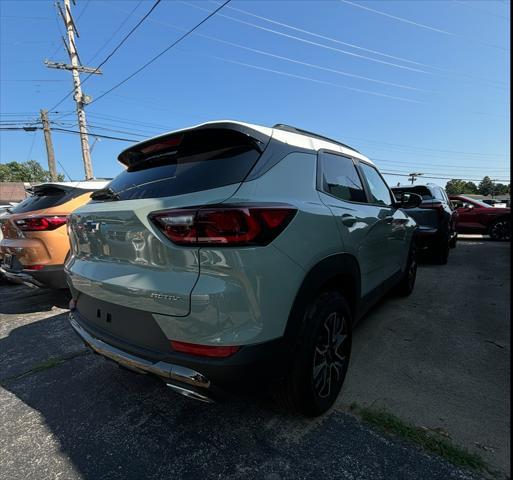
(41, 223)
(224, 225)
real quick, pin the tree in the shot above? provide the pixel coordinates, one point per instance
(30, 171)
(486, 186)
(470, 187)
(455, 186)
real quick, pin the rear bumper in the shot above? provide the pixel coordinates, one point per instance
(202, 378)
(432, 237)
(182, 377)
(52, 276)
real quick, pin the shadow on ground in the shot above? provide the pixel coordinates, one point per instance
(18, 299)
(86, 418)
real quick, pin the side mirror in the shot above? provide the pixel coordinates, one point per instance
(409, 200)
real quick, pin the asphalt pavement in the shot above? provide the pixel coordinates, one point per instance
(439, 358)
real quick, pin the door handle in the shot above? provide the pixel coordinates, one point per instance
(389, 219)
(348, 220)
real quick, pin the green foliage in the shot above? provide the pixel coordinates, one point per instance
(30, 171)
(455, 186)
(470, 187)
(501, 189)
(486, 186)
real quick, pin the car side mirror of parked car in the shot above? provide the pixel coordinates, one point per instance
(409, 200)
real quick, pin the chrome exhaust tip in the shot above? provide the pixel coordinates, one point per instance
(190, 393)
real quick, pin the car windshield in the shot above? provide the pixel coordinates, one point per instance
(477, 202)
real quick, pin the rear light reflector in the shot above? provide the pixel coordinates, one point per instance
(34, 267)
(41, 223)
(224, 225)
(204, 350)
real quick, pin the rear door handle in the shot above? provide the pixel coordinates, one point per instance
(348, 220)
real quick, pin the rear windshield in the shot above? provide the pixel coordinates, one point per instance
(421, 190)
(46, 198)
(185, 163)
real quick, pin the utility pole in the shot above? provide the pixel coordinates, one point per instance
(49, 145)
(76, 68)
(414, 176)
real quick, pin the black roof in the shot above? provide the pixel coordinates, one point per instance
(289, 128)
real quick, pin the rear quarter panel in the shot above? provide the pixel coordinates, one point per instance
(244, 295)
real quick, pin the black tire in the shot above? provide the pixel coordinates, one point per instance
(407, 283)
(321, 358)
(441, 252)
(500, 229)
(453, 242)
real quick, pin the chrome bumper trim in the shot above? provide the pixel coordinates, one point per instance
(164, 370)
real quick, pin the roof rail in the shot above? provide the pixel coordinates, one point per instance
(289, 128)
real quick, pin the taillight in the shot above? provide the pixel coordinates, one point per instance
(204, 350)
(35, 224)
(224, 225)
(438, 206)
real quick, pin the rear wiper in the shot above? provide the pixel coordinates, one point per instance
(105, 194)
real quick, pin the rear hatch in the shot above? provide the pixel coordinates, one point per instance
(119, 255)
(427, 215)
(45, 209)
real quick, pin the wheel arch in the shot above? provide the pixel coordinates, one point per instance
(340, 272)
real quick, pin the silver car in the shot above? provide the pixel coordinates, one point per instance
(229, 254)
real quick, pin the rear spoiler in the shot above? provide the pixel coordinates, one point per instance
(259, 136)
(89, 185)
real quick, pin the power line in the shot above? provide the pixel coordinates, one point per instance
(324, 37)
(83, 10)
(64, 130)
(491, 83)
(118, 46)
(455, 177)
(322, 82)
(345, 52)
(288, 59)
(430, 149)
(122, 24)
(400, 19)
(424, 165)
(163, 51)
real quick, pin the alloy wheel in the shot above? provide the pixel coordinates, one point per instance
(331, 355)
(501, 230)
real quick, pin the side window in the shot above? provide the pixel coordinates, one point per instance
(438, 194)
(378, 188)
(340, 178)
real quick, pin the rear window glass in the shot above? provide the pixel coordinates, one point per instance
(194, 161)
(46, 198)
(421, 190)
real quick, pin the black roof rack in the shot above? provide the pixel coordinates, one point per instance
(289, 128)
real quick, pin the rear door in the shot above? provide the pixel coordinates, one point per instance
(362, 232)
(119, 255)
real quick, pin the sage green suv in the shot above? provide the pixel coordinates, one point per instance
(230, 254)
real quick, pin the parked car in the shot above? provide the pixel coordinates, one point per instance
(475, 216)
(435, 218)
(229, 254)
(35, 241)
(494, 202)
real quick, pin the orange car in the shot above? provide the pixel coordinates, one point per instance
(35, 240)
